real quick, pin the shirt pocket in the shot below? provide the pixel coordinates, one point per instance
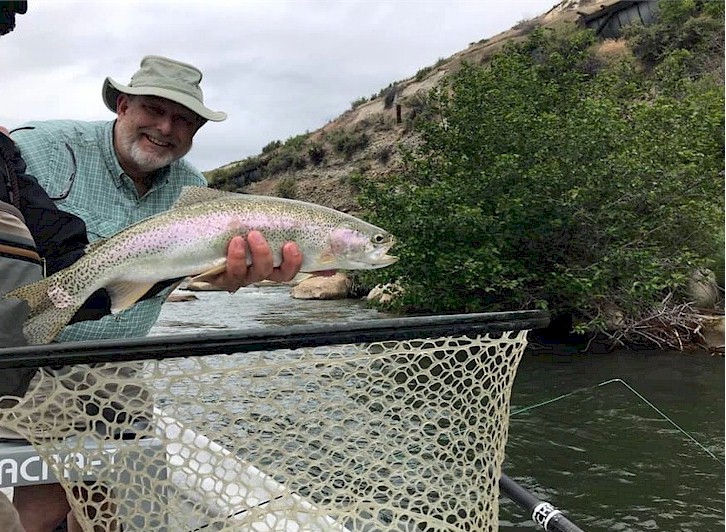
(97, 226)
(59, 180)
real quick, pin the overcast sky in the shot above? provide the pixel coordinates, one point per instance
(278, 68)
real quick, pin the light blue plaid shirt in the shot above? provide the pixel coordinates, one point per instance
(80, 155)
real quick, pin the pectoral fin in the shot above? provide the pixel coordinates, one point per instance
(125, 293)
(327, 257)
(210, 274)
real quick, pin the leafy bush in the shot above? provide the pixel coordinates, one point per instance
(389, 96)
(271, 146)
(357, 103)
(347, 144)
(289, 156)
(226, 177)
(384, 154)
(279, 163)
(423, 72)
(287, 187)
(316, 152)
(693, 25)
(296, 143)
(543, 183)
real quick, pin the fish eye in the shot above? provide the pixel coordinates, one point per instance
(379, 238)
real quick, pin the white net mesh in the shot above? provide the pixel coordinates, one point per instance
(399, 435)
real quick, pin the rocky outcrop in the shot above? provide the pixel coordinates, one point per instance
(703, 289)
(321, 287)
(384, 293)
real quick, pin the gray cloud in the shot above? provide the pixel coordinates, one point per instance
(278, 68)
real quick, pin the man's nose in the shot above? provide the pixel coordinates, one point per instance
(165, 124)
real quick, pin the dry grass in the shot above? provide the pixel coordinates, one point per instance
(679, 327)
(613, 49)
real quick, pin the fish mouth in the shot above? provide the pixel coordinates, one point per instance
(371, 263)
(385, 260)
(380, 258)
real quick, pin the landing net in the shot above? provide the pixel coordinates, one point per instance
(389, 435)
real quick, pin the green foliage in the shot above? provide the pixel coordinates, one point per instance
(316, 153)
(296, 143)
(542, 183)
(423, 72)
(271, 146)
(224, 178)
(357, 103)
(348, 143)
(384, 154)
(287, 187)
(287, 156)
(285, 160)
(389, 96)
(693, 25)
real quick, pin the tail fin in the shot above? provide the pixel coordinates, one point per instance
(47, 317)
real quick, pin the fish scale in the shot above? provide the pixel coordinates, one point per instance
(191, 238)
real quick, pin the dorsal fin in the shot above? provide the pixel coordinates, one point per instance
(192, 195)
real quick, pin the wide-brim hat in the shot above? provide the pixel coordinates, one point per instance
(165, 78)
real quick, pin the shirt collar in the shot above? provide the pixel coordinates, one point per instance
(109, 155)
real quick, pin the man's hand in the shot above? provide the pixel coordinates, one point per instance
(238, 274)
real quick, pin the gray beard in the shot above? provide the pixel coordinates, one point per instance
(146, 161)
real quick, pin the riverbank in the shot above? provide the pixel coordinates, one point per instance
(595, 450)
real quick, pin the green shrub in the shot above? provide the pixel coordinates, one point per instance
(271, 146)
(544, 184)
(357, 103)
(423, 72)
(347, 144)
(384, 154)
(287, 187)
(281, 162)
(296, 143)
(316, 153)
(693, 25)
(389, 95)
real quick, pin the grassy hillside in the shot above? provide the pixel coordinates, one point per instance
(321, 166)
(544, 168)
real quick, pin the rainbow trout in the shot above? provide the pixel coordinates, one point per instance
(191, 239)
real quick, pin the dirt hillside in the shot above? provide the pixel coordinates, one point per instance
(365, 139)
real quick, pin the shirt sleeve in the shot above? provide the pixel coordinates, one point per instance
(37, 147)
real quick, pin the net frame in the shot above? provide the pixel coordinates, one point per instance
(284, 494)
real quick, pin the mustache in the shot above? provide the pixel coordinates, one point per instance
(156, 135)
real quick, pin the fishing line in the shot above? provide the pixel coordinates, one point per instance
(637, 394)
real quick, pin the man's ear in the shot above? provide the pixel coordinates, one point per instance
(122, 103)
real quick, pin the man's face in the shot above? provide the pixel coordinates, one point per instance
(152, 132)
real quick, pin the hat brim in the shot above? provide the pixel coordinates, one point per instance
(112, 90)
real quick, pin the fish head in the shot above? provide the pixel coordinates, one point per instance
(363, 247)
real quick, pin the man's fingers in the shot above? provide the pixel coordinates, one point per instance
(262, 260)
(291, 261)
(236, 258)
(261, 267)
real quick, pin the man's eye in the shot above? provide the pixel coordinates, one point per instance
(154, 110)
(184, 120)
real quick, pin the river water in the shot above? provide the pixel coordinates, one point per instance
(612, 445)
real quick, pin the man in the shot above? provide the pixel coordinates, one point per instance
(112, 174)
(19, 261)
